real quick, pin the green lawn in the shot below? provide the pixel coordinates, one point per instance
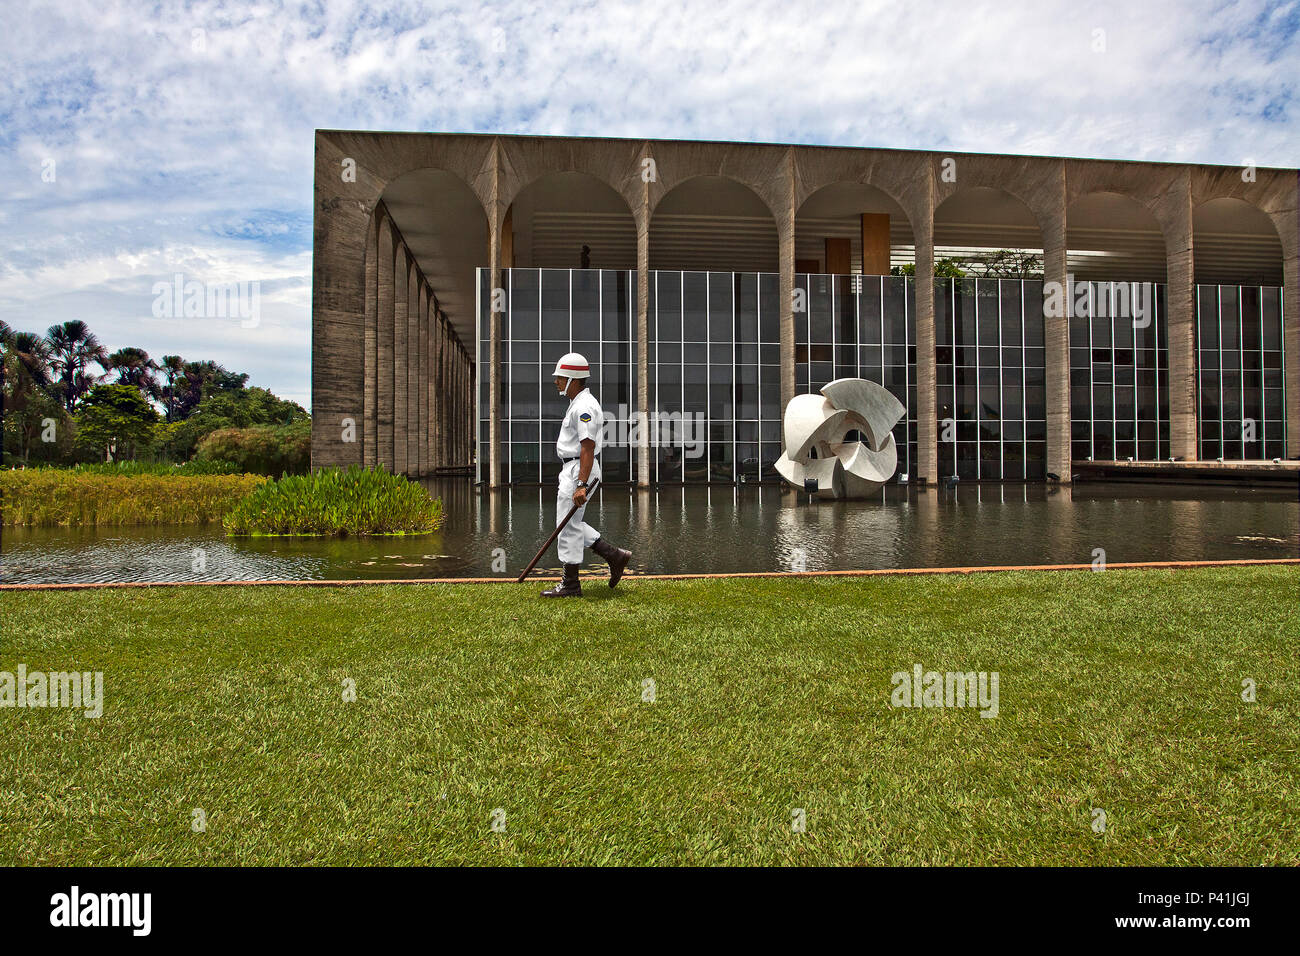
(1118, 690)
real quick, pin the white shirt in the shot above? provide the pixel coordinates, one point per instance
(583, 420)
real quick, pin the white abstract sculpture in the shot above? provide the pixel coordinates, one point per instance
(815, 429)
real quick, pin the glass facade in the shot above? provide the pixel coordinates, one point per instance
(856, 326)
(715, 366)
(1119, 373)
(714, 369)
(550, 312)
(1239, 372)
(991, 378)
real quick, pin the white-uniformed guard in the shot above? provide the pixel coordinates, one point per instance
(578, 445)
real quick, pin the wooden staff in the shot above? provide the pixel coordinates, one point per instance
(591, 493)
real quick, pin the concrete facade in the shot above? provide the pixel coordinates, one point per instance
(403, 408)
(373, 305)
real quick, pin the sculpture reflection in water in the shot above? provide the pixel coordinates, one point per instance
(840, 444)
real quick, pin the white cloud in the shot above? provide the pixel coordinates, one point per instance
(200, 160)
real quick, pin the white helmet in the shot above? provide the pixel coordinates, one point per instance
(571, 365)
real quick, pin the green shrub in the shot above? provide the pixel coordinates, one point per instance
(262, 449)
(335, 501)
(88, 496)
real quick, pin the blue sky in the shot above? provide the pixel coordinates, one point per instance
(181, 134)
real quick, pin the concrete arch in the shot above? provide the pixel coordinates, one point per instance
(380, 159)
(764, 170)
(1236, 243)
(832, 213)
(549, 221)
(1093, 185)
(1103, 222)
(445, 225)
(682, 240)
(1035, 184)
(1163, 191)
(905, 182)
(525, 161)
(962, 219)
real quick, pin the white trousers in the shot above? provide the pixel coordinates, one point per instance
(577, 535)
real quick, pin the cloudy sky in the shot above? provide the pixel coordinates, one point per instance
(138, 141)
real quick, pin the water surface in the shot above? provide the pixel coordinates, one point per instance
(707, 529)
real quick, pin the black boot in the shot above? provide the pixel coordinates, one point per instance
(617, 558)
(569, 587)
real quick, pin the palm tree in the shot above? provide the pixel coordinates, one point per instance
(173, 366)
(190, 386)
(34, 357)
(135, 367)
(74, 347)
(8, 364)
(26, 364)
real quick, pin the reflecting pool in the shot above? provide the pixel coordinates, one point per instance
(708, 529)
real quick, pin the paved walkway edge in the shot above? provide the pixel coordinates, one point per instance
(882, 572)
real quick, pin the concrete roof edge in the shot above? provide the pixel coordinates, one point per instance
(879, 149)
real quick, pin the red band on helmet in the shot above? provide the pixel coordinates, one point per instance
(576, 368)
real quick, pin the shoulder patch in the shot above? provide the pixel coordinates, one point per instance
(585, 416)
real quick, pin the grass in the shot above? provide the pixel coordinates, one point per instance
(131, 468)
(337, 501)
(134, 496)
(1119, 690)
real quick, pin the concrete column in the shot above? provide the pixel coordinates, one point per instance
(437, 405)
(384, 347)
(369, 344)
(785, 240)
(875, 243)
(927, 426)
(423, 442)
(643, 343)
(1291, 350)
(401, 298)
(434, 398)
(508, 240)
(460, 444)
(1056, 338)
(495, 473)
(413, 369)
(469, 427)
(447, 408)
(1180, 311)
(416, 376)
(432, 401)
(450, 351)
